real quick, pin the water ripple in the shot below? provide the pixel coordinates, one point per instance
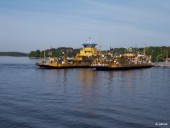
(81, 98)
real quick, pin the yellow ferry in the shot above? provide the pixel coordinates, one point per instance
(123, 62)
(82, 60)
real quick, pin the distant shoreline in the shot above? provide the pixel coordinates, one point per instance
(14, 54)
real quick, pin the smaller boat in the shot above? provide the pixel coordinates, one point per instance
(123, 62)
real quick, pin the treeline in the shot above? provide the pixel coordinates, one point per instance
(18, 54)
(54, 52)
(158, 54)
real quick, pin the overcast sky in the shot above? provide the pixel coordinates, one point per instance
(27, 25)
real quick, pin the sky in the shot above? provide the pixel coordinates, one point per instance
(27, 25)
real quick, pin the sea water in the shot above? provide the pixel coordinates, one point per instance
(31, 97)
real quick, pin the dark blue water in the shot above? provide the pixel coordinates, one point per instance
(82, 98)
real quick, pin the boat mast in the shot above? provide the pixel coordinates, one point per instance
(65, 58)
(100, 42)
(144, 52)
(44, 56)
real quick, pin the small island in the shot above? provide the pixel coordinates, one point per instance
(17, 54)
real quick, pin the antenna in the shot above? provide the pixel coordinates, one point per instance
(100, 41)
(89, 39)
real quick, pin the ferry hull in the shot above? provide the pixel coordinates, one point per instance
(62, 66)
(108, 68)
